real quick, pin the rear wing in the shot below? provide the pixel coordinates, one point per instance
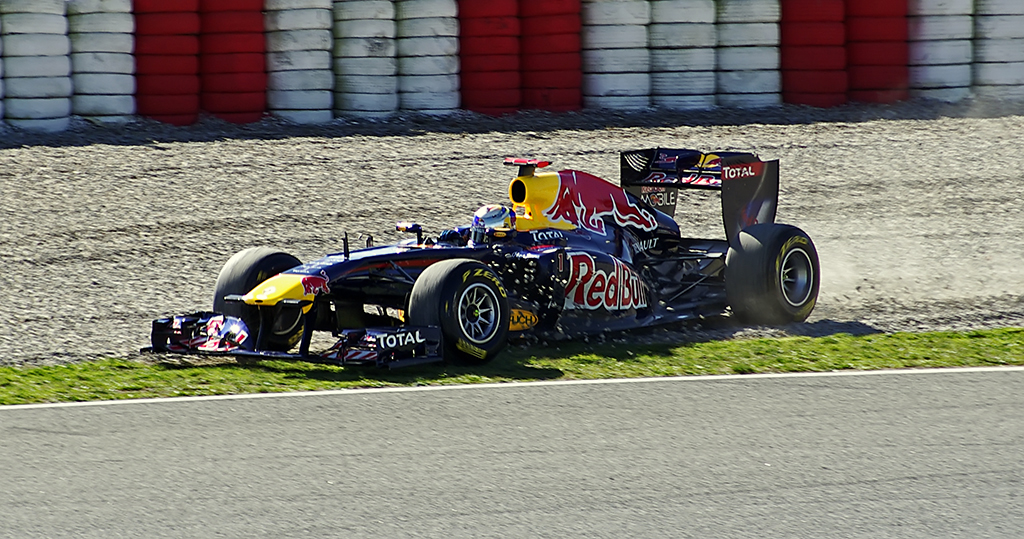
(749, 186)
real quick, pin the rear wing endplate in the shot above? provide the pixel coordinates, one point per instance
(749, 186)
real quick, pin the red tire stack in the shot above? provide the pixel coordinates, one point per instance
(231, 62)
(489, 56)
(813, 51)
(167, 60)
(877, 51)
(551, 64)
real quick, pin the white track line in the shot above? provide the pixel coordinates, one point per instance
(403, 389)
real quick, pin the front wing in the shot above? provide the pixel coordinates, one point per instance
(216, 334)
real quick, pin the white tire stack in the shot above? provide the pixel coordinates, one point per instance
(428, 55)
(365, 66)
(940, 48)
(748, 58)
(616, 61)
(682, 47)
(37, 66)
(299, 71)
(999, 49)
(1, 72)
(102, 65)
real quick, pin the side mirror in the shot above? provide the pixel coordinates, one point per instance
(412, 228)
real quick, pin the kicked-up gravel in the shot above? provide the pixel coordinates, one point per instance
(917, 209)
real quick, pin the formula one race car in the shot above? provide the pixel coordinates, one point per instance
(573, 254)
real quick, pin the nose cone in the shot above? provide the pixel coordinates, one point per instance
(279, 287)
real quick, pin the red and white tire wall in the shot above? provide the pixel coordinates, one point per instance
(311, 60)
(365, 65)
(37, 69)
(491, 82)
(549, 54)
(813, 52)
(998, 69)
(233, 77)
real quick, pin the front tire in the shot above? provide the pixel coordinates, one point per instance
(772, 277)
(242, 273)
(468, 302)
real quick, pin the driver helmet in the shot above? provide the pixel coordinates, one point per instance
(494, 216)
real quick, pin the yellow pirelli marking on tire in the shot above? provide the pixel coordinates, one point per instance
(474, 351)
(485, 274)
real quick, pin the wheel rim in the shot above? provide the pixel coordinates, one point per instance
(478, 313)
(796, 275)
(286, 322)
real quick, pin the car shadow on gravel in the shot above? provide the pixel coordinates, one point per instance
(144, 131)
(818, 328)
(723, 329)
(507, 366)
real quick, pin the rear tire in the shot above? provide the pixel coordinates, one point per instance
(772, 277)
(467, 301)
(242, 273)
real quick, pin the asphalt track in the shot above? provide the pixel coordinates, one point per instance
(913, 454)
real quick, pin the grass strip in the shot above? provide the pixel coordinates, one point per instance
(125, 379)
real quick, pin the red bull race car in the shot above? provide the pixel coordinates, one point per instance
(572, 254)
